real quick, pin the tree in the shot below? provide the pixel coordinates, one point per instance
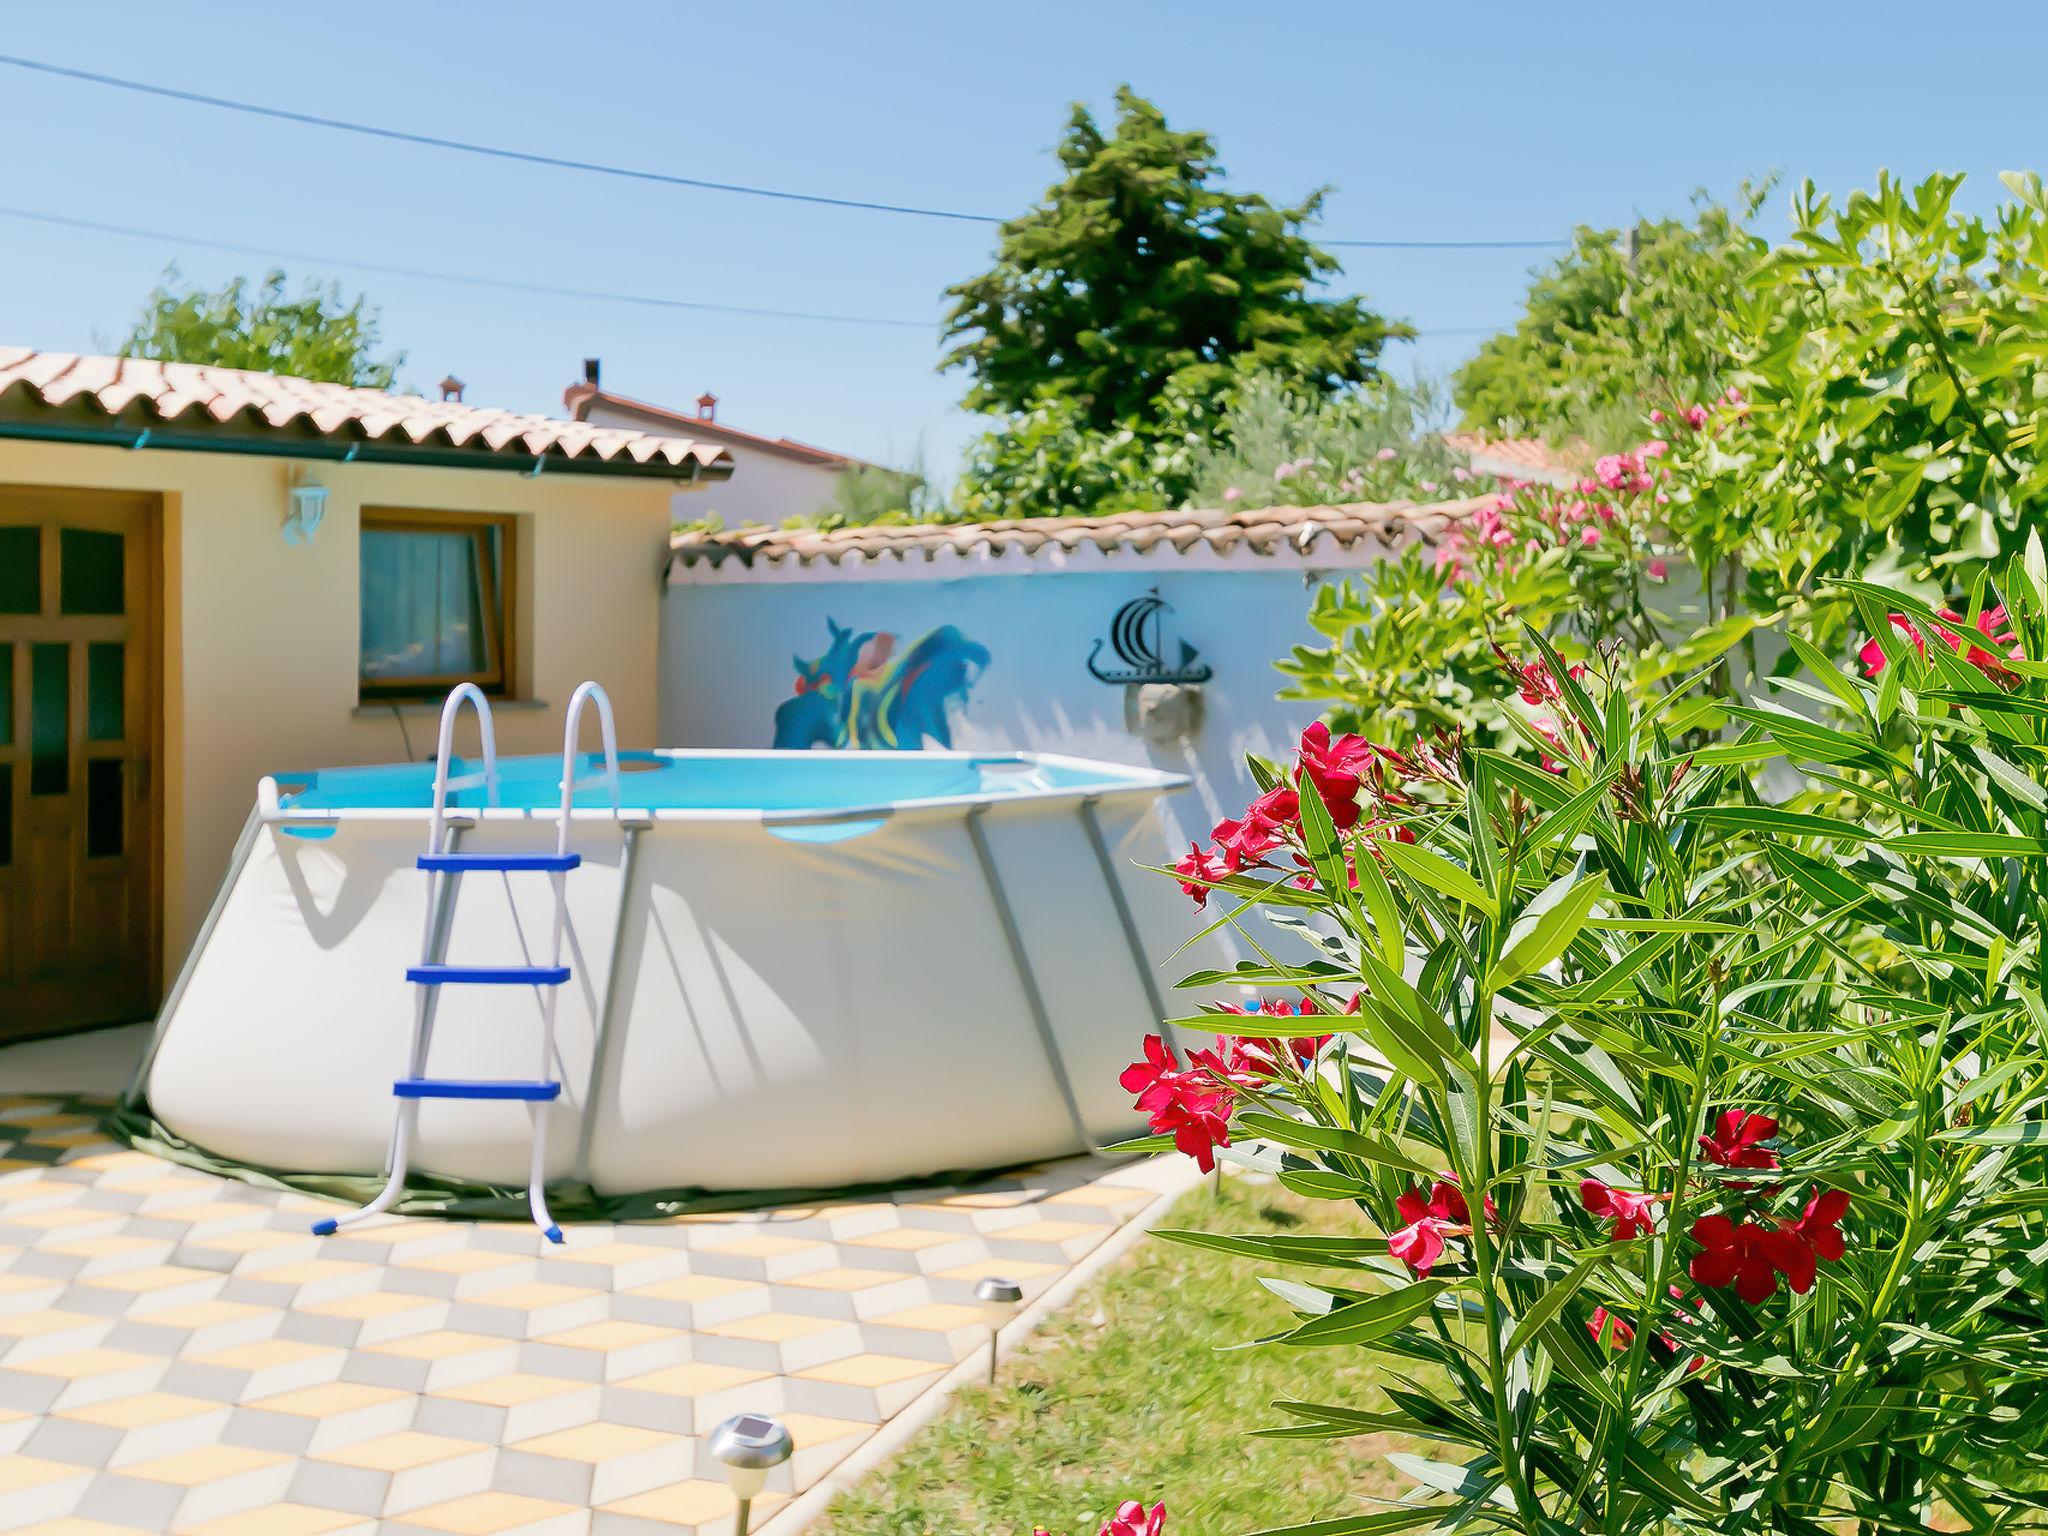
(313, 336)
(1139, 270)
(1618, 320)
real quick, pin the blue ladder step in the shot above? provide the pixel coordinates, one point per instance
(460, 863)
(488, 975)
(456, 1088)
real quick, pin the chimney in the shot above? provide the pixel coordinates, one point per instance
(590, 371)
(451, 389)
(707, 406)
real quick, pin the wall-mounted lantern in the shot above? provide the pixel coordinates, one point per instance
(305, 506)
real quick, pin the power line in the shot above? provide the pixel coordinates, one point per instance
(464, 279)
(630, 173)
(506, 284)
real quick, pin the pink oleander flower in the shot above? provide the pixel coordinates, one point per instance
(1337, 766)
(1419, 1243)
(1460, 474)
(1191, 1103)
(1735, 1140)
(1695, 416)
(1133, 1519)
(1657, 570)
(1589, 535)
(1386, 455)
(1631, 1212)
(1655, 448)
(1262, 828)
(1872, 655)
(1200, 867)
(1232, 493)
(1656, 417)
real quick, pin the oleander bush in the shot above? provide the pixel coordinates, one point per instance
(1701, 1129)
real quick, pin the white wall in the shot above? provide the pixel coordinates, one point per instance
(728, 643)
(764, 488)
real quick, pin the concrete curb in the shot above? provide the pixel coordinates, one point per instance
(798, 1514)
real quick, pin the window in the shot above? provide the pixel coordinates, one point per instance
(433, 602)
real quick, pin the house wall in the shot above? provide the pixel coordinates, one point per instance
(729, 643)
(261, 637)
(764, 488)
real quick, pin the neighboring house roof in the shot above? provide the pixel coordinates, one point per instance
(136, 402)
(578, 399)
(1302, 535)
(1529, 458)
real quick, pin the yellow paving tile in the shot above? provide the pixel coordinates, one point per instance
(439, 1344)
(153, 1277)
(939, 1317)
(254, 1241)
(1001, 1269)
(329, 1400)
(1103, 1194)
(533, 1296)
(463, 1261)
(775, 1327)
(845, 1279)
(809, 1429)
(310, 1271)
(33, 1325)
(686, 1503)
(82, 1363)
(512, 1389)
(763, 1247)
(62, 1216)
(1049, 1232)
(608, 1336)
(214, 1210)
(978, 1200)
(18, 1474)
(72, 1525)
(400, 1452)
(694, 1379)
(486, 1514)
(615, 1254)
(595, 1442)
(265, 1354)
(871, 1370)
(206, 1314)
(368, 1304)
(280, 1520)
(131, 1161)
(692, 1288)
(905, 1239)
(142, 1410)
(208, 1463)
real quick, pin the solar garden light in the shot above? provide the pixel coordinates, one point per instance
(751, 1445)
(999, 1301)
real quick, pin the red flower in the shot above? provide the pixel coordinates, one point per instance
(1990, 623)
(1735, 1138)
(1199, 870)
(1744, 1254)
(1420, 1243)
(1872, 654)
(1632, 1213)
(1265, 823)
(1619, 1330)
(1819, 1223)
(1337, 769)
(1193, 1102)
(1133, 1519)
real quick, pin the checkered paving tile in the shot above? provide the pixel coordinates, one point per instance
(179, 1354)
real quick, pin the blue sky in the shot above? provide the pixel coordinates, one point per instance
(1429, 121)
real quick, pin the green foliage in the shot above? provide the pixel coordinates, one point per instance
(873, 493)
(1888, 360)
(1140, 269)
(1048, 462)
(1619, 320)
(1279, 445)
(313, 336)
(1575, 976)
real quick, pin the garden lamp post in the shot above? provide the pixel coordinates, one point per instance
(750, 1445)
(999, 1300)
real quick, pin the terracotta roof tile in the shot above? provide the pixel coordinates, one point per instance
(228, 403)
(1530, 457)
(1264, 530)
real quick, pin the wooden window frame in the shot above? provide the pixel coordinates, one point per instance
(497, 595)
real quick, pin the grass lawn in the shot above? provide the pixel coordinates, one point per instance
(1133, 1392)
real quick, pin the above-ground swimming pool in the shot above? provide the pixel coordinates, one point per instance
(788, 970)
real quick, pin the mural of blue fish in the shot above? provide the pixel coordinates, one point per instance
(861, 693)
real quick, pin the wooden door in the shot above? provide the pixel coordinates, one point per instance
(79, 929)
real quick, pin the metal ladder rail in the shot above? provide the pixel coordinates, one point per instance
(588, 692)
(407, 1119)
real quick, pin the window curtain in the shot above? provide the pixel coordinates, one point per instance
(422, 606)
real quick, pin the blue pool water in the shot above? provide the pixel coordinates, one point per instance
(794, 781)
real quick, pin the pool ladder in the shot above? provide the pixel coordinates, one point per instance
(442, 863)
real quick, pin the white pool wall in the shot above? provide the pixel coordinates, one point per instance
(782, 1014)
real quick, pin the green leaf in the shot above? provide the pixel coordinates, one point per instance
(2013, 1133)
(1774, 822)
(1328, 1138)
(1549, 1304)
(1361, 1322)
(1438, 873)
(1546, 931)
(1967, 845)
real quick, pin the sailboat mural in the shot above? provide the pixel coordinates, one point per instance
(1138, 636)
